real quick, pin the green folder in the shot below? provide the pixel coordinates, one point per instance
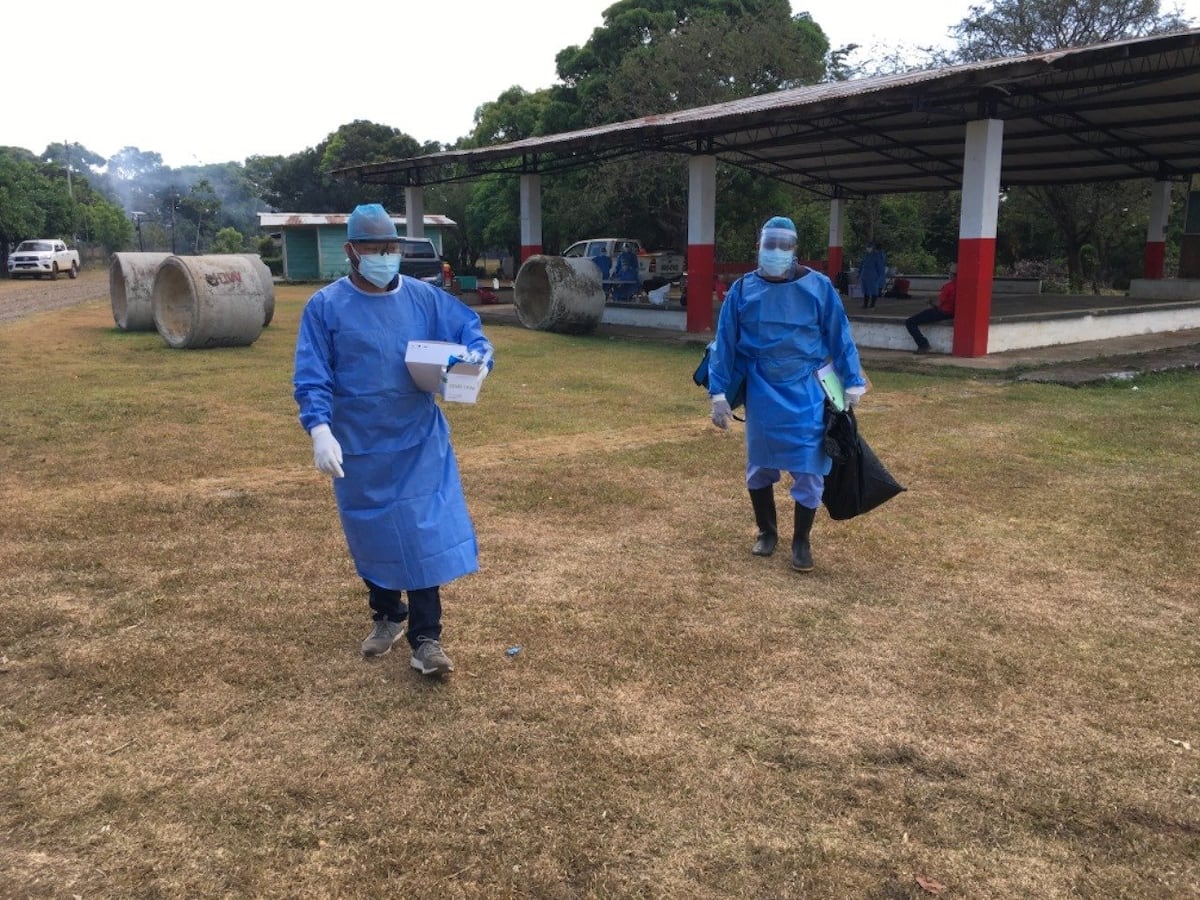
(832, 385)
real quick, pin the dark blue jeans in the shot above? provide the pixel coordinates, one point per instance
(924, 317)
(424, 610)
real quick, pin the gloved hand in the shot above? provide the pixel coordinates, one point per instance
(479, 358)
(327, 452)
(721, 413)
(854, 396)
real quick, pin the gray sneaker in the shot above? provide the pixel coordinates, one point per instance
(430, 659)
(383, 635)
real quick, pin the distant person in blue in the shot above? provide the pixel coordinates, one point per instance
(625, 275)
(778, 325)
(872, 274)
(385, 441)
(604, 264)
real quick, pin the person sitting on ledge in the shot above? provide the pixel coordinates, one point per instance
(938, 311)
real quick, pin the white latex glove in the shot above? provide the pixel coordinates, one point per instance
(721, 413)
(854, 396)
(327, 452)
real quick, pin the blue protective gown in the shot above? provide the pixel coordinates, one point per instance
(778, 334)
(401, 501)
(873, 274)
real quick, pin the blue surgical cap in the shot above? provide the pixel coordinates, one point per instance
(780, 223)
(370, 222)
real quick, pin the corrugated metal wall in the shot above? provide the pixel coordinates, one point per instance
(300, 254)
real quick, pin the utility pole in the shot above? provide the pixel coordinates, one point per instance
(67, 148)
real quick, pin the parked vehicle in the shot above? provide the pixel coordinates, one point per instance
(654, 268)
(44, 256)
(419, 259)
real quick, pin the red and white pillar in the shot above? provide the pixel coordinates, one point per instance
(414, 212)
(837, 210)
(531, 216)
(701, 251)
(1155, 254)
(977, 236)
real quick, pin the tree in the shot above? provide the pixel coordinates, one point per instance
(651, 56)
(107, 226)
(304, 181)
(1020, 27)
(733, 48)
(228, 240)
(1084, 214)
(200, 207)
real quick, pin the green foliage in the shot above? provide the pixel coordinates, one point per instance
(107, 226)
(1061, 220)
(1019, 27)
(199, 208)
(228, 240)
(650, 57)
(514, 115)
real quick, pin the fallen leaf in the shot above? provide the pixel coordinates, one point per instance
(1184, 744)
(930, 885)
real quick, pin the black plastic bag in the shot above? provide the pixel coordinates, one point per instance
(736, 396)
(858, 481)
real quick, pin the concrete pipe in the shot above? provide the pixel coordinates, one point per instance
(264, 276)
(268, 285)
(208, 301)
(130, 280)
(554, 293)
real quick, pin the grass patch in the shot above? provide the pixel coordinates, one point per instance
(987, 682)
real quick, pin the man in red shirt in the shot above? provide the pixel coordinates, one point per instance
(939, 312)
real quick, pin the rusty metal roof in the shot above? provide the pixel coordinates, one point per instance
(278, 219)
(1109, 112)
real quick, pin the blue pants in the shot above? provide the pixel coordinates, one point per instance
(807, 487)
(424, 610)
(924, 317)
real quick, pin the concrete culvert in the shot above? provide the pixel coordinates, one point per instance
(130, 282)
(208, 301)
(554, 293)
(264, 276)
(268, 285)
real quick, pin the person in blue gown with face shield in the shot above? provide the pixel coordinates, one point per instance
(778, 325)
(385, 441)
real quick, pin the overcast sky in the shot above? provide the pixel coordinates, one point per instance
(224, 80)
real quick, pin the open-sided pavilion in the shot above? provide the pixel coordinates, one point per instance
(1111, 112)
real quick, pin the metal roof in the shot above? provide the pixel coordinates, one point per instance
(276, 220)
(1109, 112)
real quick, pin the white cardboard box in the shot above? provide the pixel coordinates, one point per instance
(427, 363)
(462, 382)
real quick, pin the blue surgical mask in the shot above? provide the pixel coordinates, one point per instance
(775, 262)
(379, 269)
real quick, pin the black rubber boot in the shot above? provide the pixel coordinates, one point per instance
(801, 550)
(763, 500)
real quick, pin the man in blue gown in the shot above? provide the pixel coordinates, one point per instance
(778, 325)
(872, 275)
(383, 439)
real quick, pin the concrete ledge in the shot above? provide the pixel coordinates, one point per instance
(1025, 332)
(645, 316)
(1165, 289)
(933, 284)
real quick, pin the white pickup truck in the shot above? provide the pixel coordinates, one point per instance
(43, 256)
(654, 268)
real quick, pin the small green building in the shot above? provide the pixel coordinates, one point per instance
(312, 242)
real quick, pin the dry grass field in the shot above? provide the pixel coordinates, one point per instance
(989, 687)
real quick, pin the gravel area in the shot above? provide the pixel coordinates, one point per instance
(20, 297)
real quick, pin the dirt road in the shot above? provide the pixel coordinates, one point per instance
(24, 296)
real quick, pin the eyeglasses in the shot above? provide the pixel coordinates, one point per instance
(375, 248)
(776, 243)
